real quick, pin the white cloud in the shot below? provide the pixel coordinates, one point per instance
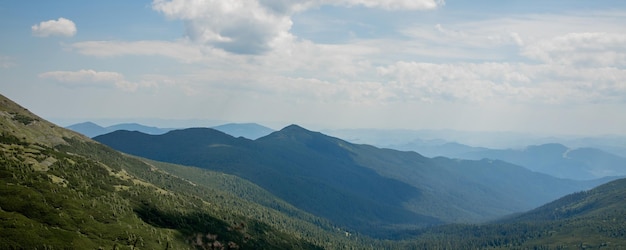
(244, 27)
(463, 36)
(251, 27)
(519, 83)
(367, 71)
(83, 76)
(393, 4)
(596, 49)
(59, 27)
(92, 78)
(326, 61)
(181, 50)
(516, 38)
(533, 34)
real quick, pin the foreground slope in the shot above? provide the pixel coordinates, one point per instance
(59, 189)
(359, 186)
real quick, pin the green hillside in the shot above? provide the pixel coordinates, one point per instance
(59, 189)
(594, 219)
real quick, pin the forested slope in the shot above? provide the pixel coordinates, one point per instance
(594, 219)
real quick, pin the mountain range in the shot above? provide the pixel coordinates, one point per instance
(430, 142)
(62, 190)
(359, 186)
(247, 130)
(91, 129)
(553, 158)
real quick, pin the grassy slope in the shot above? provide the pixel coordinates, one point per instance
(60, 189)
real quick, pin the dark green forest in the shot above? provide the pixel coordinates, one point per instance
(61, 190)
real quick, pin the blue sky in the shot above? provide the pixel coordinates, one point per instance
(551, 67)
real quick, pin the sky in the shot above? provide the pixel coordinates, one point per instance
(551, 67)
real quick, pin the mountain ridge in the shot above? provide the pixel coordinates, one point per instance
(558, 160)
(247, 130)
(264, 162)
(335, 170)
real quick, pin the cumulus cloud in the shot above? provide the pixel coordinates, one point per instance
(91, 78)
(594, 49)
(243, 27)
(251, 27)
(59, 27)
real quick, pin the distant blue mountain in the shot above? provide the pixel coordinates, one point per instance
(251, 131)
(91, 129)
(437, 148)
(556, 160)
(138, 127)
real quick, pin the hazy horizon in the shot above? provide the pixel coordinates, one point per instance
(278, 125)
(554, 68)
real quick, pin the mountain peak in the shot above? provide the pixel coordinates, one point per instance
(297, 132)
(294, 128)
(89, 129)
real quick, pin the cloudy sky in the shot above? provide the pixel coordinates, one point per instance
(554, 66)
